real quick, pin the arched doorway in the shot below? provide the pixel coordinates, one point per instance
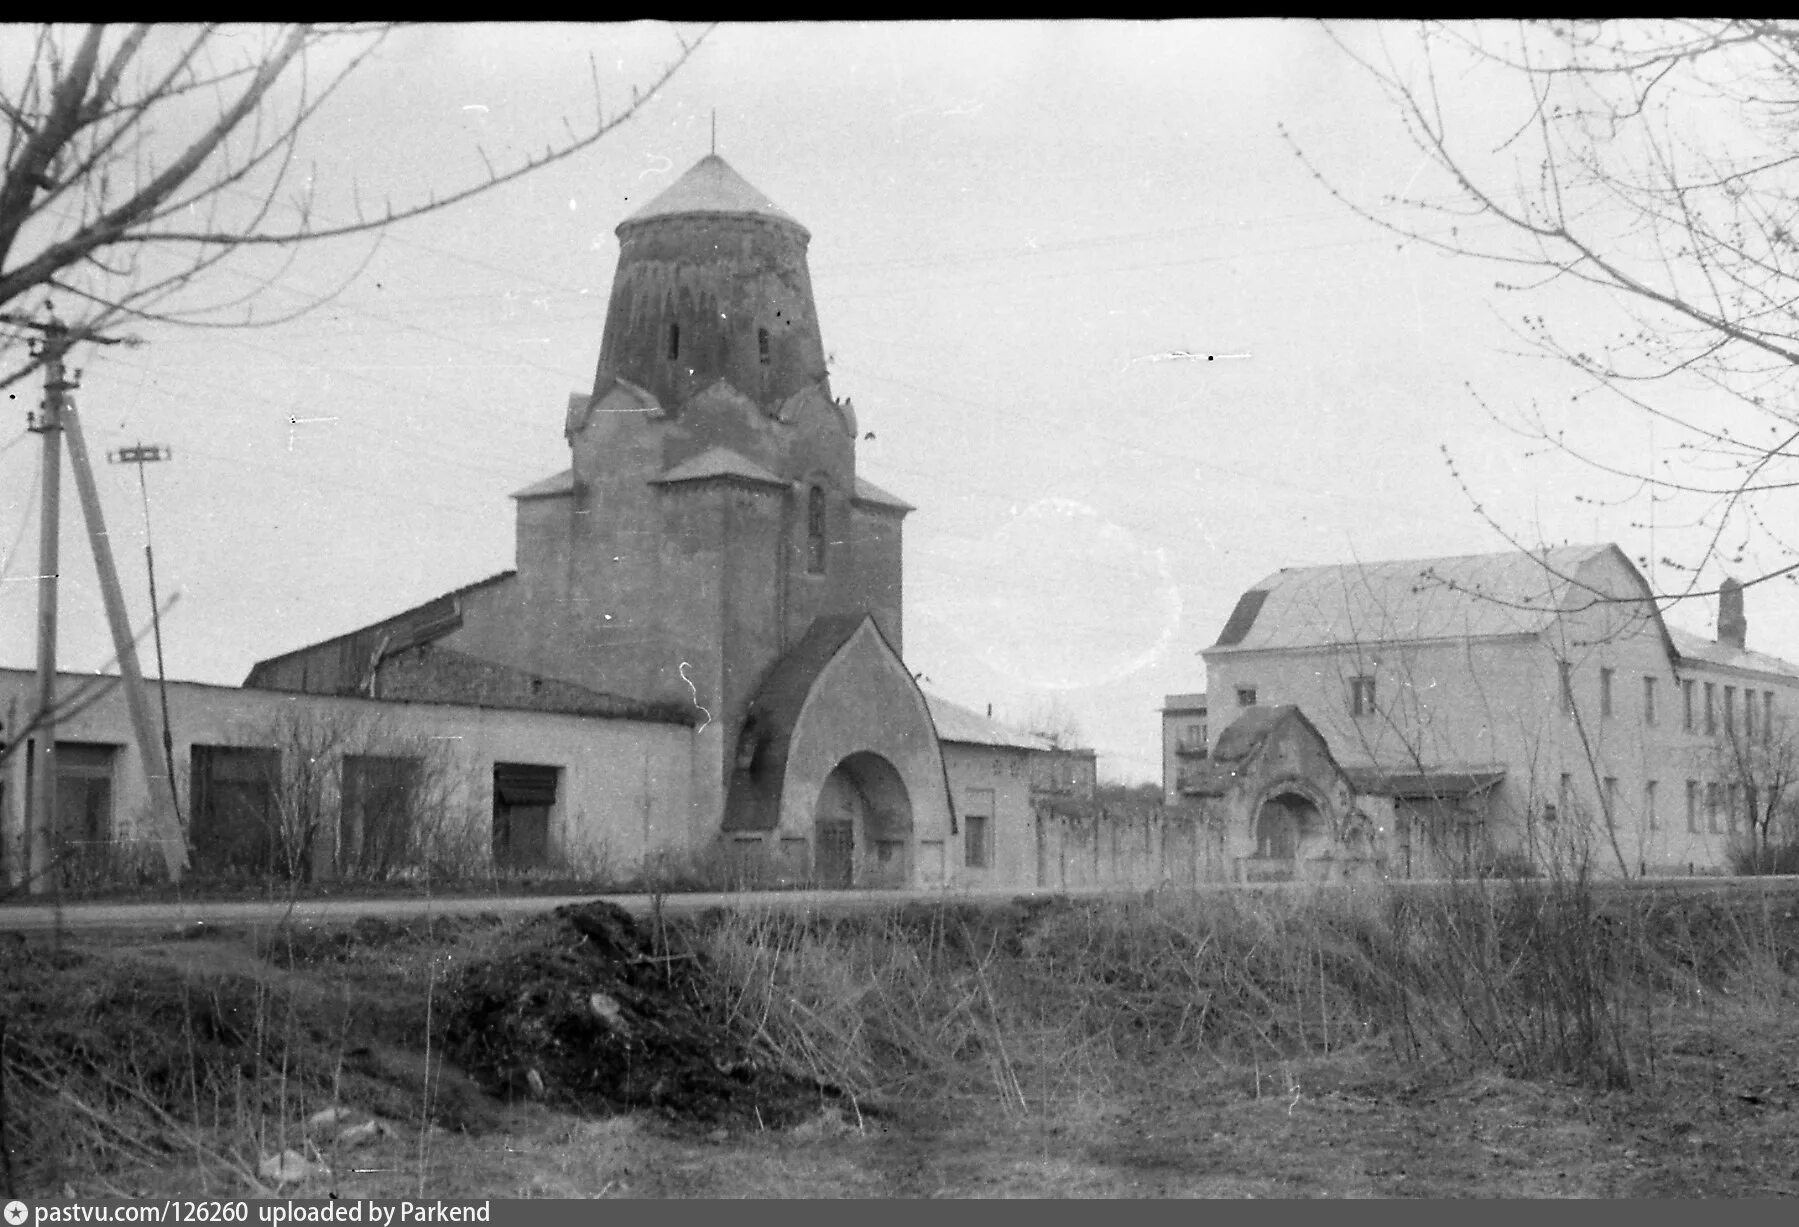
(1285, 822)
(862, 826)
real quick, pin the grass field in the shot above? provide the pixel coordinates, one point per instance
(1529, 1039)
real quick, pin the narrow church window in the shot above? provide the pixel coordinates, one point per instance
(762, 345)
(674, 342)
(815, 530)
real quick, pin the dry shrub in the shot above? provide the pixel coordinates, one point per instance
(1536, 977)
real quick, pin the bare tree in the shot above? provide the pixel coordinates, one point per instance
(141, 160)
(1760, 769)
(1052, 721)
(1653, 163)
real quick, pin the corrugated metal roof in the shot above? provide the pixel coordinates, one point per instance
(958, 724)
(718, 462)
(1701, 650)
(1474, 595)
(711, 186)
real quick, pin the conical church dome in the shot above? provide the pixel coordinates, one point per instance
(712, 284)
(711, 186)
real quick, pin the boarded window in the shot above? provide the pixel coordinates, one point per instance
(235, 826)
(377, 825)
(977, 827)
(674, 342)
(762, 346)
(82, 841)
(523, 797)
(84, 793)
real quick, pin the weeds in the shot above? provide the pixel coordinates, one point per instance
(1042, 1009)
(1533, 977)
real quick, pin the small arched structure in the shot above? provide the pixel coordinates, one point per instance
(1287, 808)
(838, 752)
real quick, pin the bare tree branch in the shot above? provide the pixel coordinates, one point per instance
(105, 166)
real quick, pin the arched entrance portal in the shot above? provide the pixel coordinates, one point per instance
(1284, 823)
(862, 827)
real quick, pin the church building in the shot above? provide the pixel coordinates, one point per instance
(710, 556)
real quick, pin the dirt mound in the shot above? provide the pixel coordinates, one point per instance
(578, 1009)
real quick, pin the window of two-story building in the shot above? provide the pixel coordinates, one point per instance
(1361, 696)
(1611, 802)
(1192, 738)
(1730, 711)
(1649, 701)
(1246, 696)
(1567, 672)
(1693, 804)
(1733, 803)
(1767, 715)
(1714, 801)
(1605, 692)
(1686, 696)
(1650, 816)
(1748, 714)
(1711, 710)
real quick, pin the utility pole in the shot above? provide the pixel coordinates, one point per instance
(56, 417)
(40, 821)
(174, 845)
(140, 455)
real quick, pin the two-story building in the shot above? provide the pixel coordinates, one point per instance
(1530, 705)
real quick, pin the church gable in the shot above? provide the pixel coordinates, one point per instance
(842, 692)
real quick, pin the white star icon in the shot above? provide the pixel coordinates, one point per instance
(16, 1213)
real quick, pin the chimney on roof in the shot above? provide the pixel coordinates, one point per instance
(1733, 628)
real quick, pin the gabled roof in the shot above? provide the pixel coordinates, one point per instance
(872, 495)
(711, 186)
(1237, 747)
(549, 487)
(1700, 650)
(962, 726)
(423, 623)
(718, 462)
(1247, 733)
(1471, 596)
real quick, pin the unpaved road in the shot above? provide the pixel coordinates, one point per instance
(149, 917)
(143, 917)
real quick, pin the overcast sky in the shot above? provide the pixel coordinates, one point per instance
(1121, 350)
